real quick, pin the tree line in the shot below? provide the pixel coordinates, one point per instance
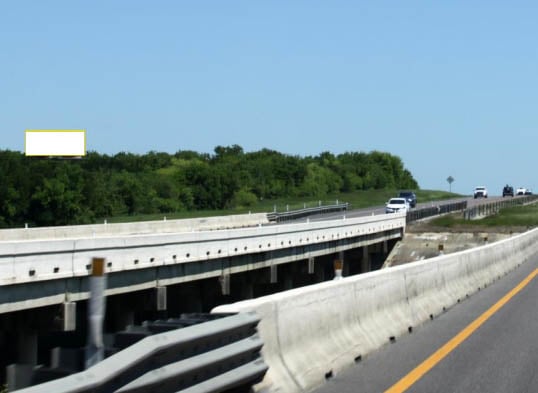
(42, 191)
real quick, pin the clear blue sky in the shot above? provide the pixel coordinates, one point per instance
(451, 87)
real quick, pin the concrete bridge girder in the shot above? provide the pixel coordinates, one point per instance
(42, 293)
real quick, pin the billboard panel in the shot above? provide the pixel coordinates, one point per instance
(63, 143)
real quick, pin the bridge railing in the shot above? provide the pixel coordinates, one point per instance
(213, 356)
(425, 212)
(487, 209)
(295, 214)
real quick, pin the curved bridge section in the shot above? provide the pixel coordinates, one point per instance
(35, 273)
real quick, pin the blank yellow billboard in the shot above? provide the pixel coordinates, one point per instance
(65, 143)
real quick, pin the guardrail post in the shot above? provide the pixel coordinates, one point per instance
(96, 313)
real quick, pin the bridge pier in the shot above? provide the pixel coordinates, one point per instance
(160, 297)
(69, 316)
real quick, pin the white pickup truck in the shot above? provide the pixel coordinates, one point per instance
(480, 192)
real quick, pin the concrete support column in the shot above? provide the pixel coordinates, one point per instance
(69, 311)
(225, 284)
(274, 274)
(311, 265)
(161, 298)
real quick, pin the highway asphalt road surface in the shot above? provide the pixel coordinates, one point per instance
(381, 209)
(486, 343)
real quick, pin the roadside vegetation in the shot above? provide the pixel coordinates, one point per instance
(517, 217)
(131, 187)
(42, 191)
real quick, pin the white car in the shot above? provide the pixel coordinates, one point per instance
(521, 191)
(395, 205)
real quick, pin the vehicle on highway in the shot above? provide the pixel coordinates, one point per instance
(508, 191)
(480, 192)
(410, 196)
(528, 192)
(395, 205)
(521, 191)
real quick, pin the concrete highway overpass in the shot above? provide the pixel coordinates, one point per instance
(159, 268)
(187, 266)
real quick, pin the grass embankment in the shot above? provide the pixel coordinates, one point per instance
(516, 218)
(358, 200)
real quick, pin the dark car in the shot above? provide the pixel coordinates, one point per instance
(410, 196)
(508, 191)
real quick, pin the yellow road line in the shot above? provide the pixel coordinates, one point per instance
(407, 381)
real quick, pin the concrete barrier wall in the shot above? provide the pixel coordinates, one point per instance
(311, 331)
(133, 228)
(37, 260)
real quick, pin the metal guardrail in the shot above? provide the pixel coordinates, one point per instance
(294, 214)
(487, 209)
(223, 353)
(418, 214)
